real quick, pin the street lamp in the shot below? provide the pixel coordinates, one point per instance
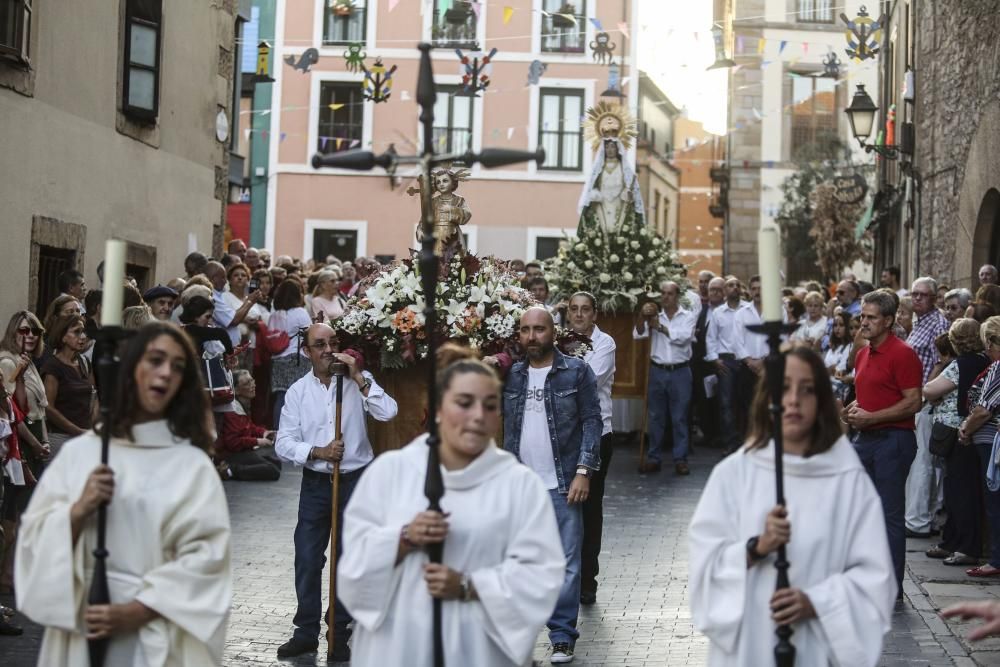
(721, 61)
(861, 115)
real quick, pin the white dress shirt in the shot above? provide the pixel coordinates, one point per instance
(674, 346)
(224, 314)
(601, 360)
(726, 334)
(754, 344)
(308, 415)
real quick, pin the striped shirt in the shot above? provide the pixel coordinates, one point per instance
(928, 327)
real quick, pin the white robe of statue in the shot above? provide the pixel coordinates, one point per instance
(611, 195)
(168, 538)
(503, 535)
(839, 557)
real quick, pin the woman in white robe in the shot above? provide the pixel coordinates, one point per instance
(167, 531)
(842, 585)
(503, 560)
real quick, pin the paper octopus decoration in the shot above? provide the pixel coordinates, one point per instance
(831, 66)
(355, 58)
(475, 71)
(863, 35)
(378, 82)
(603, 48)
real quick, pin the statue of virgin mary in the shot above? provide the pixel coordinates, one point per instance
(612, 187)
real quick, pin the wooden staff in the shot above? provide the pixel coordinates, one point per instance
(338, 369)
(645, 397)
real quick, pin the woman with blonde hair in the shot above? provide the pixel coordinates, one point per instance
(503, 560)
(949, 390)
(814, 324)
(327, 302)
(22, 346)
(842, 581)
(134, 317)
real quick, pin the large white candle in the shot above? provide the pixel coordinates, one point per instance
(769, 249)
(114, 279)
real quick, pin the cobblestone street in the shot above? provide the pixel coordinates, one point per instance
(641, 616)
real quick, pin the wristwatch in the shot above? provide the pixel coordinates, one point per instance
(586, 472)
(466, 588)
(364, 385)
(752, 552)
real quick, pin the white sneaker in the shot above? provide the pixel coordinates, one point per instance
(561, 654)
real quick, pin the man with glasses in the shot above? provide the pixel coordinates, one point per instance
(306, 438)
(923, 486)
(956, 301)
(849, 296)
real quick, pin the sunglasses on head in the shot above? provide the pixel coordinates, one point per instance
(34, 331)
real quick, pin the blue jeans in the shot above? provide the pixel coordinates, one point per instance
(562, 624)
(991, 500)
(669, 399)
(728, 391)
(312, 536)
(887, 455)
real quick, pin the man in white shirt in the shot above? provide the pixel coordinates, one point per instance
(582, 314)
(224, 315)
(671, 332)
(725, 348)
(306, 438)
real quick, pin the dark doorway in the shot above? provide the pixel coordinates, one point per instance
(51, 262)
(986, 242)
(140, 274)
(341, 243)
(546, 247)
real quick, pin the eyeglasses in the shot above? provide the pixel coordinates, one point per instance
(34, 331)
(321, 345)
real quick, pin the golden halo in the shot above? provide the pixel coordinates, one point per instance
(609, 121)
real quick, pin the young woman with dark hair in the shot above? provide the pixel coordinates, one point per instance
(168, 523)
(842, 583)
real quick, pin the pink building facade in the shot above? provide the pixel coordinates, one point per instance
(517, 212)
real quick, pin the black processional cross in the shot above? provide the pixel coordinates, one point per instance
(361, 160)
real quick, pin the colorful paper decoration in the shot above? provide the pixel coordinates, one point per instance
(263, 71)
(355, 56)
(475, 71)
(603, 48)
(831, 66)
(508, 14)
(378, 82)
(863, 35)
(308, 58)
(535, 71)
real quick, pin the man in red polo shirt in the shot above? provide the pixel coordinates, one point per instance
(888, 380)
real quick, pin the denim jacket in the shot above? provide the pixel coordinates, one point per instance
(572, 409)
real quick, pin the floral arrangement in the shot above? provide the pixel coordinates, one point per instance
(621, 268)
(479, 302)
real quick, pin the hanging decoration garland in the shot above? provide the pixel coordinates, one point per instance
(475, 71)
(378, 82)
(355, 56)
(603, 48)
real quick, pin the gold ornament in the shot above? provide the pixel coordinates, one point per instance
(609, 121)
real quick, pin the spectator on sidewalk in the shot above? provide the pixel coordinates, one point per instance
(887, 380)
(69, 382)
(245, 451)
(562, 448)
(705, 408)
(956, 302)
(840, 599)
(923, 486)
(160, 300)
(726, 349)
(988, 275)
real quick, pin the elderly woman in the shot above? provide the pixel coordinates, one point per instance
(327, 302)
(956, 302)
(842, 586)
(168, 526)
(504, 563)
(69, 382)
(62, 306)
(980, 429)
(904, 314)
(245, 451)
(960, 543)
(814, 324)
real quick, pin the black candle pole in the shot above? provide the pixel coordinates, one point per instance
(106, 368)
(360, 160)
(774, 366)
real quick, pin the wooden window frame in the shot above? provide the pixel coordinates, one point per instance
(20, 51)
(156, 24)
(357, 104)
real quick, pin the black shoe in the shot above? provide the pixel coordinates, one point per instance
(341, 652)
(920, 536)
(9, 629)
(561, 653)
(296, 646)
(588, 597)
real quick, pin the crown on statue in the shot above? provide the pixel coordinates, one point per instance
(609, 121)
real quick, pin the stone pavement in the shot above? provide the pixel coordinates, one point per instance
(641, 617)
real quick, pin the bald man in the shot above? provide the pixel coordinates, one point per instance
(224, 314)
(306, 438)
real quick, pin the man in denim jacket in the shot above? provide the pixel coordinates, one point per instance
(552, 424)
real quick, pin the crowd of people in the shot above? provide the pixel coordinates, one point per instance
(892, 399)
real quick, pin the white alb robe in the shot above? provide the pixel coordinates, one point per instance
(839, 557)
(168, 538)
(502, 534)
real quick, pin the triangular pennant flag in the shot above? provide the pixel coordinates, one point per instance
(392, 4)
(282, 137)
(623, 26)
(265, 112)
(335, 107)
(338, 142)
(510, 133)
(570, 18)
(781, 49)
(246, 135)
(476, 8)
(355, 142)
(597, 24)
(760, 45)
(508, 13)
(624, 82)
(323, 142)
(757, 114)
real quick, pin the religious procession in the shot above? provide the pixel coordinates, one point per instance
(451, 332)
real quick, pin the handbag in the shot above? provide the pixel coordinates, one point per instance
(943, 439)
(219, 381)
(275, 340)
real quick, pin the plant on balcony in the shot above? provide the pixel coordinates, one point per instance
(459, 12)
(342, 7)
(564, 17)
